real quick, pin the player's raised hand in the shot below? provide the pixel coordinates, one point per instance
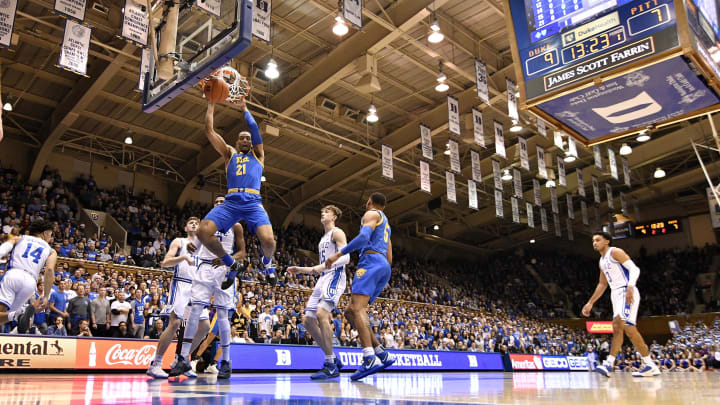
(586, 309)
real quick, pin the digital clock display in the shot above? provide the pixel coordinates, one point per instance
(593, 45)
(658, 228)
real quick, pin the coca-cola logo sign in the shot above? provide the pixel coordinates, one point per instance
(130, 357)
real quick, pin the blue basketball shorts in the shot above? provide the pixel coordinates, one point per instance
(372, 275)
(238, 207)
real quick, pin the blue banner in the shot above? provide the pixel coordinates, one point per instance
(248, 357)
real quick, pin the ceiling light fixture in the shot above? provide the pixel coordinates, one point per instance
(516, 127)
(625, 149)
(441, 86)
(532, 240)
(643, 136)
(435, 35)
(8, 107)
(436, 227)
(262, 179)
(372, 116)
(128, 140)
(506, 175)
(659, 173)
(340, 27)
(550, 183)
(271, 71)
(569, 158)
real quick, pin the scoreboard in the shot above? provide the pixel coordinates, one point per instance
(658, 228)
(592, 67)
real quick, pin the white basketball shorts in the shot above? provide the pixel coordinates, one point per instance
(627, 313)
(208, 280)
(179, 302)
(328, 290)
(16, 288)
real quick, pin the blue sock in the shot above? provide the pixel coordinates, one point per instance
(228, 260)
(266, 261)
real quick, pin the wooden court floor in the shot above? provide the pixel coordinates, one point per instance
(396, 388)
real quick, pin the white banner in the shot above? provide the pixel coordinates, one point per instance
(450, 184)
(623, 204)
(596, 189)
(556, 223)
(472, 195)
(453, 115)
(75, 47)
(584, 213)
(636, 209)
(554, 200)
(612, 162)
(135, 23)
(626, 171)
(570, 206)
(515, 210)
(145, 62)
(561, 171)
(454, 156)
(499, 204)
(425, 177)
(570, 229)
(426, 141)
(481, 82)
(542, 127)
(478, 129)
(712, 206)
(537, 192)
(352, 12)
(572, 146)
(497, 181)
(262, 14)
(499, 139)
(558, 138)
(524, 159)
(475, 161)
(512, 100)
(212, 7)
(543, 219)
(597, 156)
(7, 21)
(517, 182)
(74, 9)
(530, 215)
(387, 162)
(608, 191)
(580, 182)
(542, 169)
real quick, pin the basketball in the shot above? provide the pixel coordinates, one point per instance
(216, 89)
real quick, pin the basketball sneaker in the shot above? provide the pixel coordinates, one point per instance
(386, 358)
(269, 268)
(193, 365)
(155, 370)
(339, 364)
(329, 370)
(212, 368)
(604, 370)
(181, 367)
(371, 365)
(233, 271)
(225, 370)
(647, 371)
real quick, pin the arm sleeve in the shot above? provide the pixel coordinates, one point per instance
(5, 248)
(634, 272)
(359, 241)
(343, 260)
(254, 129)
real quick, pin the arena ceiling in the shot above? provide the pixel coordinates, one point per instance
(322, 155)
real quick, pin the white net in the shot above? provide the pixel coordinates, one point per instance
(237, 83)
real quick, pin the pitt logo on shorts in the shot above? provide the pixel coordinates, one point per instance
(360, 272)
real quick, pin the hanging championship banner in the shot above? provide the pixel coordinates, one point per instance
(496, 175)
(352, 12)
(558, 139)
(542, 127)
(556, 223)
(472, 195)
(596, 189)
(515, 210)
(584, 213)
(75, 47)
(475, 161)
(454, 156)
(453, 115)
(597, 217)
(262, 14)
(626, 171)
(581, 182)
(554, 201)
(145, 61)
(524, 159)
(561, 171)
(517, 182)
(135, 24)
(623, 204)
(478, 129)
(425, 177)
(543, 219)
(597, 155)
(536, 192)
(636, 209)
(608, 191)
(426, 142)
(481, 82)
(499, 139)
(450, 184)
(542, 169)
(512, 100)
(530, 215)
(499, 204)
(570, 206)
(612, 162)
(387, 162)
(7, 21)
(212, 7)
(73, 9)
(572, 147)
(570, 229)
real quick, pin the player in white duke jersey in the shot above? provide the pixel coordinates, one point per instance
(28, 256)
(180, 257)
(210, 275)
(328, 290)
(619, 272)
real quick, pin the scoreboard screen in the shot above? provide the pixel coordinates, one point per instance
(656, 228)
(709, 10)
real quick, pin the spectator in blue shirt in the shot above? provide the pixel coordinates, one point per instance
(78, 275)
(40, 317)
(65, 248)
(58, 303)
(338, 324)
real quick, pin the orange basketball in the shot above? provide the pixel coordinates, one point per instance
(216, 89)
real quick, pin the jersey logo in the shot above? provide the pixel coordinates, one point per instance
(360, 272)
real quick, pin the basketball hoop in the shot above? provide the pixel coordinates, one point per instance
(238, 84)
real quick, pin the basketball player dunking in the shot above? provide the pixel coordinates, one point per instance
(371, 277)
(244, 166)
(619, 272)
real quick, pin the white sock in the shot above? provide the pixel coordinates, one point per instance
(368, 351)
(610, 361)
(649, 361)
(330, 358)
(380, 349)
(158, 358)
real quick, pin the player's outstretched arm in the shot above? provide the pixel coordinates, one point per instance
(255, 137)
(389, 253)
(599, 291)
(215, 139)
(369, 221)
(171, 257)
(8, 246)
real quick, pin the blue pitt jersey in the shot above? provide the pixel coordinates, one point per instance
(244, 171)
(380, 237)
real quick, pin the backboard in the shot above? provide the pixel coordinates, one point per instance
(192, 39)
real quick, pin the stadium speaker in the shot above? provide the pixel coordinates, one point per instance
(435, 204)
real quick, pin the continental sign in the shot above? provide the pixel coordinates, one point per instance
(599, 327)
(32, 352)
